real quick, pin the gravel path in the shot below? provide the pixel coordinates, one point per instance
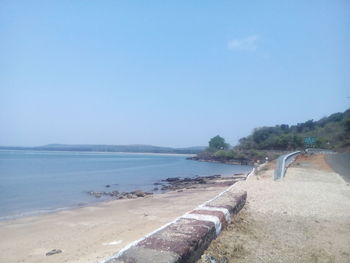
(304, 218)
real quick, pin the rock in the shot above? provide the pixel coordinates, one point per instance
(53, 252)
(215, 176)
(210, 259)
(138, 193)
(172, 179)
(114, 193)
(100, 194)
(95, 194)
(200, 180)
(108, 186)
(165, 187)
(187, 179)
(130, 196)
(155, 189)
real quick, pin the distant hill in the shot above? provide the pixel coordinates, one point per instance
(138, 148)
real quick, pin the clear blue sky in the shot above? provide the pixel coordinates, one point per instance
(169, 73)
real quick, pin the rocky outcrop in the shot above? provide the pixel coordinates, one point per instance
(123, 195)
(174, 184)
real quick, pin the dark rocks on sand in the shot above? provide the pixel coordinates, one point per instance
(95, 194)
(187, 179)
(140, 193)
(199, 180)
(169, 184)
(124, 195)
(53, 252)
(114, 193)
(178, 183)
(215, 176)
(172, 179)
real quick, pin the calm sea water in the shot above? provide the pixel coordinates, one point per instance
(33, 182)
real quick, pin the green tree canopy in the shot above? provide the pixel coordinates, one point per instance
(217, 143)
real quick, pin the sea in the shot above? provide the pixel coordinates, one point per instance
(36, 182)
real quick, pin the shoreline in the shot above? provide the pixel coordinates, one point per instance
(95, 232)
(246, 163)
(166, 185)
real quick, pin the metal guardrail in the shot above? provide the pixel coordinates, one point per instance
(318, 150)
(282, 164)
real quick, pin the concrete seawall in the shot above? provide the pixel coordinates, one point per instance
(185, 239)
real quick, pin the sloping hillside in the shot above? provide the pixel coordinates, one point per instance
(332, 132)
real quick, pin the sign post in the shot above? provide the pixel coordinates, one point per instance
(310, 141)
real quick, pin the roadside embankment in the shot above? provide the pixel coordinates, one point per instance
(303, 218)
(185, 239)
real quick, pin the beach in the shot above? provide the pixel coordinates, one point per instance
(108, 200)
(93, 233)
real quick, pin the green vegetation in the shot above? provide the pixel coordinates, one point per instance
(332, 132)
(217, 143)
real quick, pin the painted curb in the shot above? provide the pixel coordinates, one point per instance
(185, 238)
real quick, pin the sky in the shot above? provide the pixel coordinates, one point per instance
(168, 73)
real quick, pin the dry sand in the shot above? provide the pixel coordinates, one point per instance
(94, 233)
(304, 218)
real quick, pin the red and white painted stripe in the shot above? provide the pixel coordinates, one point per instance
(219, 216)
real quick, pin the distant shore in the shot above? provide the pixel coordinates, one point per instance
(132, 148)
(101, 152)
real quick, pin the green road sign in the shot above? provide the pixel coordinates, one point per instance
(310, 140)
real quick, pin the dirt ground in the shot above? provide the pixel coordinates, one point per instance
(304, 218)
(316, 161)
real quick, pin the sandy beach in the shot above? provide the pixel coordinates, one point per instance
(93, 233)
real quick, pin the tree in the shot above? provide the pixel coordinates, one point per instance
(217, 143)
(347, 125)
